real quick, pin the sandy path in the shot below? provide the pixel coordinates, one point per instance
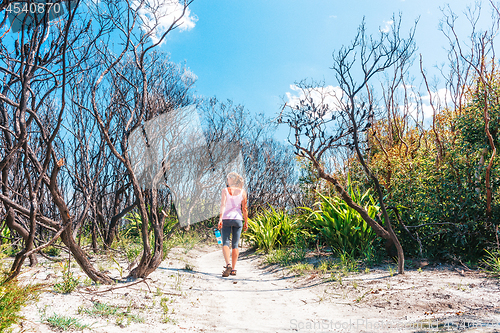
(258, 300)
(254, 300)
(261, 300)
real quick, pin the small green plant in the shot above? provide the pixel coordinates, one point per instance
(391, 271)
(186, 239)
(419, 270)
(12, 298)
(87, 282)
(158, 292)
(64, 323)
(323, 266)
(7, 250)
(347, 263)
(122, 317)
(301, 268)
(164, 303)
(52, 251)
(492, 263)
(360, 298)
(68, 284)
(461, 287)
(177, 285)
(119, 267)
(283, 257)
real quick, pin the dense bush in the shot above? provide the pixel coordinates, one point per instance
(436, 177)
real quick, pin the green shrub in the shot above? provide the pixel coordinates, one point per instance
(64, 323)
(52, 251)
(12, 298)
(272, 229)
(6, 250)
(340, 226)
(492, 263)
(68, 284)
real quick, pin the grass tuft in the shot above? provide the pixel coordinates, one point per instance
(64, 323)
(12, 298)
(68, 284)
(122, 317)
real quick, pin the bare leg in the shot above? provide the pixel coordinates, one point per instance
(234, 256)
(225, 252)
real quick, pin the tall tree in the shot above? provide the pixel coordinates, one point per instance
(325, 120)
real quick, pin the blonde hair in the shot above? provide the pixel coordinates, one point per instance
(237, 179)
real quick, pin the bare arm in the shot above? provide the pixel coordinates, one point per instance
(222, 208)
(244, 210)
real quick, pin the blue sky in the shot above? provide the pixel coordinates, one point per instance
(252, 51)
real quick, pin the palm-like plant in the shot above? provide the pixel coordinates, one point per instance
(341, 227)
(272, 229)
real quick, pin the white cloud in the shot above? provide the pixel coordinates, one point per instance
(387, 27)
(422, 104)
(158, 15)
(328, 95)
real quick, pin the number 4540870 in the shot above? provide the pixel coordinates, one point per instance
(33, 8)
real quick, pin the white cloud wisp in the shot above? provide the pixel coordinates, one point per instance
(158, 15)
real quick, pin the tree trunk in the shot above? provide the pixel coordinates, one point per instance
(82, 260)
(114, 222)
(149, 263)
(10, 220)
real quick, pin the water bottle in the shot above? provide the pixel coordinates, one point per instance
(218, 236)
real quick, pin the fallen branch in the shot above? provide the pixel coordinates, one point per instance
(119, 287)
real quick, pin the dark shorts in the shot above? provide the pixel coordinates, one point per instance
(233, 227)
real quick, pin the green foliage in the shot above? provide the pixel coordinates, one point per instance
(164, 303)
(69, 282)
(301, 268)
(287, 256)
(133, 228)
(52, 251)
(6, 250)
(122, 317)
(12, 298)
(440, 187)
(340, 226)
(5, 234)
(347, 263)
(132, 252)
(492, 263)
(131, 240)
(272, 229)
(64, 323)
(186, 239)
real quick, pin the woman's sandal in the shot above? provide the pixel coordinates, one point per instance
(227, 270)
(233, 272)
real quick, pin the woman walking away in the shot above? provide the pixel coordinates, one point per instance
(233, 211)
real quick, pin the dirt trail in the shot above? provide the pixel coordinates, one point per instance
(255, 300)
(260, 299)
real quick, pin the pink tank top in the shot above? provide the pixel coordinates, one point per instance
(232, 209)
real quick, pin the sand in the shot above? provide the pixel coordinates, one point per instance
(188, 294)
